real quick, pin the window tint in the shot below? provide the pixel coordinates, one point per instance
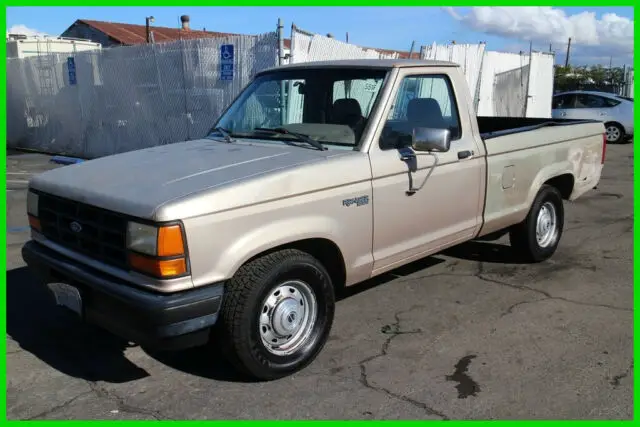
(421, 101)
(594, 101)
(562, 101)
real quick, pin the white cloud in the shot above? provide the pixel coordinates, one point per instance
(609, 35)
(23, 29)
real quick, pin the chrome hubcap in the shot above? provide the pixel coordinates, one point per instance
(546, 225)
(613, 133)
(287, 317)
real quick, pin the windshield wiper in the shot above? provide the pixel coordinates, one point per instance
(225, 134)
(302, 137)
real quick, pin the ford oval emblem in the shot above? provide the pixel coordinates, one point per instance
(75, 227)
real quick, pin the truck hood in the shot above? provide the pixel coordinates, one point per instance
(137, 183)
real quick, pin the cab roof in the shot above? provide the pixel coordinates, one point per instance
(364, 63)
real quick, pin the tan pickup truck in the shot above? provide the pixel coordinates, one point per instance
(318, 176)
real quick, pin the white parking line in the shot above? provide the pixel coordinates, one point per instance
(17, 181)
(18, 173)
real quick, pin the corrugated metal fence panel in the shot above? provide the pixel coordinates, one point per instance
(510, 92)
(127, 98)
(307, 47)
(495, 63)
(541, 85)
(468, 56)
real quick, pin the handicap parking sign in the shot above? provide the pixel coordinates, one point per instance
(226, 62)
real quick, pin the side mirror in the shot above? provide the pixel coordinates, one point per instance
(431, 139)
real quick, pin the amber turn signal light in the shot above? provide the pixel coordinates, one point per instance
(162, 268)
(34, 223)
(170, 241)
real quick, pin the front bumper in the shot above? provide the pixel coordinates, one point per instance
(160, 321)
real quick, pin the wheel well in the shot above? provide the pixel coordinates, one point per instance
(325, 251)
(563, 183)
(613, 122)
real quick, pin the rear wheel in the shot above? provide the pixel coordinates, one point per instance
(537, 237)
(614, 133)
(277, 314)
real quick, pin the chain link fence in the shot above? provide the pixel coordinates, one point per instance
(127, 98)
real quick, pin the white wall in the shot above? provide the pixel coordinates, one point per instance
(495, 63)
(540, 85)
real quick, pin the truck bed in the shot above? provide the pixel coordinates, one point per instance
(492, 127)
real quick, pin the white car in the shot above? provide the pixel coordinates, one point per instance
(615, 111)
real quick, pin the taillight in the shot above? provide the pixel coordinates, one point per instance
(604, 147)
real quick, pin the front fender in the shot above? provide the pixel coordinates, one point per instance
(267, 236)
(220, 244)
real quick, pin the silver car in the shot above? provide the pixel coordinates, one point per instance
(615, 111)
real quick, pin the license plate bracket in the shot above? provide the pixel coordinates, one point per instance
(67, 296)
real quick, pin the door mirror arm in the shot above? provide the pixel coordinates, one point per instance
(408, 155)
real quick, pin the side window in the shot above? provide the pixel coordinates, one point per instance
(594, 101)
(564, 101)
(561, 101)
(608, 102)
(421, 101)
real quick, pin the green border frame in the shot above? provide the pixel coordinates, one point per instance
(280, 3)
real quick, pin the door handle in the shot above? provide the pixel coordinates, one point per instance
(464, 154)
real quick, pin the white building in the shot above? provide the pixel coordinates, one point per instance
(22, 46)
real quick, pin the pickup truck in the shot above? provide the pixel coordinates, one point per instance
(317, 177)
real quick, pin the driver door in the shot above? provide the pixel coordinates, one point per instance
(448, 207)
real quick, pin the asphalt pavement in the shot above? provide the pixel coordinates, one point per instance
(467, 334)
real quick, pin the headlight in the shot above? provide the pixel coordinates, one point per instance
(32, 203)
(163, 248)
(142, 238)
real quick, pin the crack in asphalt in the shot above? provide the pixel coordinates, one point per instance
(615, 381)
(603, 222)
(394, 330)
(120, 403)
(101, 393)
(58, 407)
(547, 296)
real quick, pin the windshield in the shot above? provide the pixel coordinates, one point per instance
(331, 106)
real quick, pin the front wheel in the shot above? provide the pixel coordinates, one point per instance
(537, 237)
(277, 314)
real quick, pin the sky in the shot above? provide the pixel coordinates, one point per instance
(599, 34)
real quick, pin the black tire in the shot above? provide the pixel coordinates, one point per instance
(244, 299)
(614, 132)
(523, 236)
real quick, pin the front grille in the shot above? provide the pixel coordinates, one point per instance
(102, 234)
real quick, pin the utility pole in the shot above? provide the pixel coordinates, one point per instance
(611, 70)
(148, 20)
(347, 39)
(566, 60)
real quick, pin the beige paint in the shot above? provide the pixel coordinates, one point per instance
(238, 200)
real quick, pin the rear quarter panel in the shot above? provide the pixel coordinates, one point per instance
(519, 164)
